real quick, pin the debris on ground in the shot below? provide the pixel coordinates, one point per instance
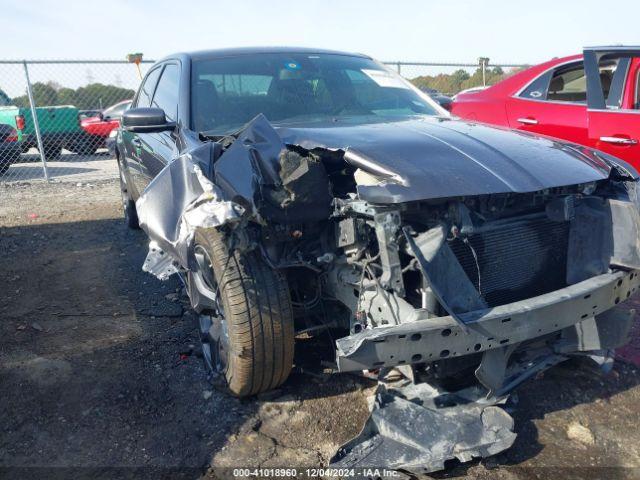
(580, 433)
(417, 428)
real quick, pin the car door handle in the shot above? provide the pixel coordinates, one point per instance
(528, 121)
(619, 140)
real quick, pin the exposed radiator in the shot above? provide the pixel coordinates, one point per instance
(517, 259)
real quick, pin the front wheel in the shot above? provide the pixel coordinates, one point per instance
(128, 205)
(249, 337)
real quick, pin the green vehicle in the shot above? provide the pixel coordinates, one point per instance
(59, 127)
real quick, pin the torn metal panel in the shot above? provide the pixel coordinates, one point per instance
(249, 162)
(271, 179)
(446, 277)
(417, 428)
(179, 200)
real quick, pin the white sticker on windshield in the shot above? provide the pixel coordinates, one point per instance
(385, 79)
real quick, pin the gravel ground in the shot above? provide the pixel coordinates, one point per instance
(100, 371)
(69, 167)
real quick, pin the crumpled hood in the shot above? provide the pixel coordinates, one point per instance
(440, 157)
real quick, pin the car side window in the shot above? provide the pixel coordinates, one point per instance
(537, 90)
(146, 90)
(166, 95)
(568, 84)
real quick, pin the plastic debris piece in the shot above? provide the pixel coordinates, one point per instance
(417, 428)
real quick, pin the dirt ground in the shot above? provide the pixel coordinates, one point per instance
(100, 372)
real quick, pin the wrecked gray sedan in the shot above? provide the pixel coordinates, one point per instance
(300, 190)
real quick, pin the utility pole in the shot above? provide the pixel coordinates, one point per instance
(483, 62)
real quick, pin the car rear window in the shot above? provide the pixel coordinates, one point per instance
(228, 92)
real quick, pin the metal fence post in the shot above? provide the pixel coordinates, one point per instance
(399, 65)
(36, 125)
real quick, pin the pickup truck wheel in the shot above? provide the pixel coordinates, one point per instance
(249, 337)
(52, 152)
(88, 145)
(128, 205)
(4, 165)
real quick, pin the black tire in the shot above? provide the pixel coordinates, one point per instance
(87, 146)
(4, 165)
(6, 161)
(52, 152)
(255, 312)
(128, 205)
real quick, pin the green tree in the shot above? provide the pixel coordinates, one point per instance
(90, 97)
(98, 95)
(66, 96)
(452, 83)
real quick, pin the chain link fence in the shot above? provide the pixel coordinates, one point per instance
(58, 118)
(451, 78)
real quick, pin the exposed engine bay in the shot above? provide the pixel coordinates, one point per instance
(494, 286)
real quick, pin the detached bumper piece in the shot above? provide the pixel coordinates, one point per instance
(417, 428)
(431, 339)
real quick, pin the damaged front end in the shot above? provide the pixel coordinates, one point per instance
(494, 286)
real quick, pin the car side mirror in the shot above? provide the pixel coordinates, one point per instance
(147, 120)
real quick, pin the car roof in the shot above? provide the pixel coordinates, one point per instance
(232, 52)
(613, 48)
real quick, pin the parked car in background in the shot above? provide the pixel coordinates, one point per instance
(89, 113)
(297, 190)
(9, 147)
(59, 127)
(443, 100)
(592, 99)
(99, 126)
(470, 90)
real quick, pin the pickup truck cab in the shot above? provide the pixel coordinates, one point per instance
(59, 127)
(592, 99)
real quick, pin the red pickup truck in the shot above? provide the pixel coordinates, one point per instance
(592, 99)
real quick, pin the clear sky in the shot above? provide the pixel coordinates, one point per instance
(429, 30)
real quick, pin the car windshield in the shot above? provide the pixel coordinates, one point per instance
(290, 88)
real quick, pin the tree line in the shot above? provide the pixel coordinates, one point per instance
(95, 96)
(452, 83)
